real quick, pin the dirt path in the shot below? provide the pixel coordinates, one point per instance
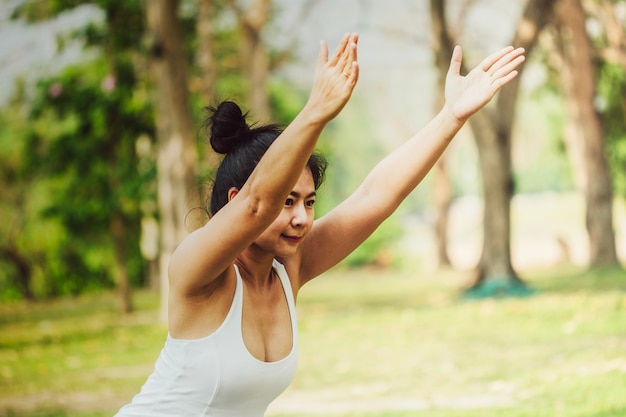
(324, 403)
(314, 402)
(78, 402)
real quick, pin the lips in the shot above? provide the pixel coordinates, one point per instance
(292, 239)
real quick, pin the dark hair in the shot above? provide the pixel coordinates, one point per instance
(243, 146)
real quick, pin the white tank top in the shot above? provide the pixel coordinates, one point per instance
(216, 375)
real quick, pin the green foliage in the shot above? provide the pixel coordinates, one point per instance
(74, 164)
(353, 149)
(229, 83)
(85, 124)
(378, 249)
(13, 205)
(541, 163)
(612, 90)
(285, 102)
(93, 143)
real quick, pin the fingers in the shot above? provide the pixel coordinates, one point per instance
(487, 63)
(344, 58)
(353, 75)
(349, 55)
(498, 83)
(501, 58)
(353, 47)
(455, 61)
(506, 68)
(335, 78)
(341, 49)
(322, 56)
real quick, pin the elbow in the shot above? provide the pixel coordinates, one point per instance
(263, 211)
(256, 204)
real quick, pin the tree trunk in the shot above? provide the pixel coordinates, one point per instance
(492, 131)
(207, 66)
(205, 54)
(117, 221)
(254, 55)
(494, 274)
(176, 149)
(494, 150)
(578, 79)
(442, 196)
(150, 249)
(442, 187)
(118, 235)
(22, 267)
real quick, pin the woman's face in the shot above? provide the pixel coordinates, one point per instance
(285, 234)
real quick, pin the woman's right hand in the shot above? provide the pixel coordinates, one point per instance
(334, 80)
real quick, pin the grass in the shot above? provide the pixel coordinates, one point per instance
(373, 343)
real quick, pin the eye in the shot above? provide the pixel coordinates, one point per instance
(289, 202)
(310, 203)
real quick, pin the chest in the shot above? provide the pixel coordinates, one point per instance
(266, 323)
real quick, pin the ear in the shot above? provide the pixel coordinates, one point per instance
(232, 192)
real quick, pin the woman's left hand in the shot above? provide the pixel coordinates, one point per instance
(465, 95)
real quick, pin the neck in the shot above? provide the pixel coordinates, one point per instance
(255, 271)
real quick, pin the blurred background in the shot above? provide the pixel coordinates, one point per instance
(105, 167)
(104, 159)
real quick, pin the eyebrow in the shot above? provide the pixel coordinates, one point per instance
(298, 195)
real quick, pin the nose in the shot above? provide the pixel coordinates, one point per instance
(299, 215)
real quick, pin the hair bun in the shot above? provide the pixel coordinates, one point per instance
(228, 127)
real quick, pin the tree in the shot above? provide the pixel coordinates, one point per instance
(492, 131)
(255, 60)
(205, 56)
(16, 263)
(99, 118)
(442, 188)
(585, 129)
(611, 56)
(493, 138)
(177, 155)
(613, 48)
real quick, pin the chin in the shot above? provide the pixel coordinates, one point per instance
(286, 252)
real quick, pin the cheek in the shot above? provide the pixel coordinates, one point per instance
(281, 221)
(310, 218)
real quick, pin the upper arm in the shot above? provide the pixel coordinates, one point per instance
(203, 255)
(338, 233)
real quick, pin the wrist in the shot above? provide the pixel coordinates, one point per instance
(308, 122)
(312, 115)
(449, 117)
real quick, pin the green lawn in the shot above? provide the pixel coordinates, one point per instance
(372, 343)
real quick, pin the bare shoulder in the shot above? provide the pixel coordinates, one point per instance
(192, 316)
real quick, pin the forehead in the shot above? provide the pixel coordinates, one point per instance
(305, 184)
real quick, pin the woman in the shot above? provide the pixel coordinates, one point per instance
(232, 342)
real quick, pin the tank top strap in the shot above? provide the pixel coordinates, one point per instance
(236, 308)
(284, 279)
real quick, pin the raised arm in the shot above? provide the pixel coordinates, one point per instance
(339, 232)
(208, 251)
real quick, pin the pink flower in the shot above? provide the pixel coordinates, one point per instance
(55, 90)
(108, 83)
